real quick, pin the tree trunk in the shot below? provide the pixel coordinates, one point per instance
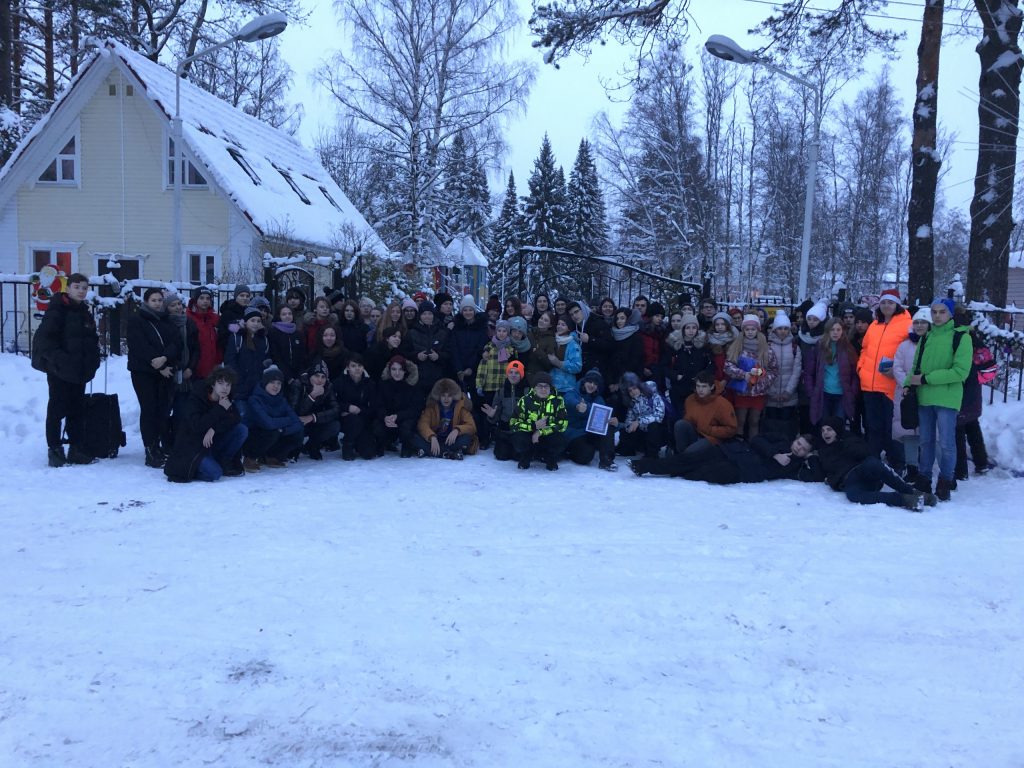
(50, 75)
(6, 55)
(998, 111)
(16, 56)
(76, 36)
(926, 162)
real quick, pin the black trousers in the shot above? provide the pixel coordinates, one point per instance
(67, 402)
(581, 450)
(966, 434)
(548, 448)
(319, 432)
(358, 437)
(503, 448)
(385, 436)
(863, 484)
(647, 441)
(262, 443)
(154, 393)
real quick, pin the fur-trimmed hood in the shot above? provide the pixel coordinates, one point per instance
(443, 386)
(412, 373)
(675, 340)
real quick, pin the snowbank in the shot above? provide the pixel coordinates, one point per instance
(430, 613)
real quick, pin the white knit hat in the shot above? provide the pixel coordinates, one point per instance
(781, 320)
(924, 313)
(751, 320)
(819, 310)
(467, 301)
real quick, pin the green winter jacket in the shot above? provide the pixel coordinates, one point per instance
(530, 408)
(944, 373)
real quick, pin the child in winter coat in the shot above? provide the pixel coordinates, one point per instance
(490, 375)
(538, 427)
(751, 367)
(200, 311)
(581, 445)
(709, 418)
(445, 427)
(643, 429)
(210, 433)
(501, 407)
(723, 333)
(782, 397)
(626, 354)
(275, 431)
(246, 352)
(315, 321)
(356, 394)
(316, 405)
(830, 377)
(902, 364)
(398, 406)
(287, 345)
(567, 359)
(688, 355)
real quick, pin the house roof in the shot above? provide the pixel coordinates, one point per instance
(264, 171)
(462, 250)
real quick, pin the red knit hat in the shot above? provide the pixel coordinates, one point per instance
(516, 365)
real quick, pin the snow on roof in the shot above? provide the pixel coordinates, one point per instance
(275, 181)
(1016, 259)
(462, 250)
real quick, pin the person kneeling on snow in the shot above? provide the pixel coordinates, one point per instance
(502, 407)
(538, 427)
(316, 405)
(446, 427)
(275, 432)
(849, 466)
(209, 433)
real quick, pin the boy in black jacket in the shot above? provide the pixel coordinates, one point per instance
(209, 432)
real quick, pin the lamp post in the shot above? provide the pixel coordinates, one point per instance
(260, 28)
(727, 49)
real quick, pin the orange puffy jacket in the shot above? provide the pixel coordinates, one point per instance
(881, 341)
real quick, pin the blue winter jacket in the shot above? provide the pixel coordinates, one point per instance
(578, 421)
(267, 411)
(564, 379)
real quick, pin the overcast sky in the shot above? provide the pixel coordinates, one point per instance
(564, 101)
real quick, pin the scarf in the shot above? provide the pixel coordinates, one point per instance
(284, 327)
(807, 336)
(751, 348)
(501, 346)
(621, 334)
(721, 339)
(522, 347)
(563, 340)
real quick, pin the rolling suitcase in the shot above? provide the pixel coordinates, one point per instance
(103, 432)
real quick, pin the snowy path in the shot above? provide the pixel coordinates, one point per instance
(429, 613)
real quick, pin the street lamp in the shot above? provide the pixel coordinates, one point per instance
(260, 28)
(729, 50)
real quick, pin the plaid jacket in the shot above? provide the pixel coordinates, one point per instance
(490, 374)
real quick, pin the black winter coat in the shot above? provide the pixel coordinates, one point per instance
(755, 460)
(288, 351)
(325, 407)
(247, 363)
(66, 345)
(598, 345)
(398, 397)
(197, 416)
(468, 340)
(358, 393)
(354, 335)
(686, 363)
(626, 355)
(429, 338)
(231, 313)
(149, 336)
(840, 457)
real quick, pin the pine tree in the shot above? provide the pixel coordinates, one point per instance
(465, 201)
(546, 223)
(585, 215)
(508, 234)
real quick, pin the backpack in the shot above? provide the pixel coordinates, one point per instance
(985, 364)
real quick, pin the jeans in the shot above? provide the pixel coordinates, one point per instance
(689, 441)
(938, 431)
(878, 424)
(224, 449)
(863, 484)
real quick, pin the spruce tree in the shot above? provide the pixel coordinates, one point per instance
(546, 225)
(585, 216)
(508, 236)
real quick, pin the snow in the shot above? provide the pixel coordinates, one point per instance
(923, 231)
(429, 613)
(927, 92)
(463, 250)
(1006, 60)
(211, 127)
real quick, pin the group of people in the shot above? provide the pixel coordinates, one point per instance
(724, 396)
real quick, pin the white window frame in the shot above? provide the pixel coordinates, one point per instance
(76, 134)
(204, 252)
(168, 158)
(52, 246)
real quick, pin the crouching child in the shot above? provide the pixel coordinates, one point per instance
(275, 431)
(446, 427)
(209, 432)
(538, 427)
(316, 405)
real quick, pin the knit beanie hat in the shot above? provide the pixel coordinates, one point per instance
(272, 373)
(862, 315)
(202, 291)
(690, 319)
(595, 376)
(319, 367)
(924, 313)
(426, 306)
(721, 316)
(408, 303)
(260, 302)
(518, 323)
(542, 377)
(467, 301)
(396, 359)
(503, 324)
(946, 302)
(753, 320)
(516, 365)
(629, 379)
(441, 298)
(171, 297)
(242, 288)
(493, 303)
(781, 320)
(819, 310)
(251, 311)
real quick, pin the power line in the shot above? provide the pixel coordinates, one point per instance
(873, 15)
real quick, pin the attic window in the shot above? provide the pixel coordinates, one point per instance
(330, 199)
(191, 178)
(112, 89)
(293, 185)
(129, 90)
(64, 168)
(238, 158)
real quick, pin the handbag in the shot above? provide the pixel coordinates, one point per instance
(910, 418)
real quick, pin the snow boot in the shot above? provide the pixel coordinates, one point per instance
(923, 484)
(943, 489)
(55, 457)
(930, 499)
(154, 457)
(913, 501)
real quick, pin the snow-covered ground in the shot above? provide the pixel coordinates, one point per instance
(431, 613)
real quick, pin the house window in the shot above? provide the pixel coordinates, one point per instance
(128, 269)
(64, 168)
(202, 267)
(61, 258)
(240, 159)
(330, 199)
(295, 187)
(192, 177)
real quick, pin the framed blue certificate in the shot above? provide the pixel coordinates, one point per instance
(597, 420)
